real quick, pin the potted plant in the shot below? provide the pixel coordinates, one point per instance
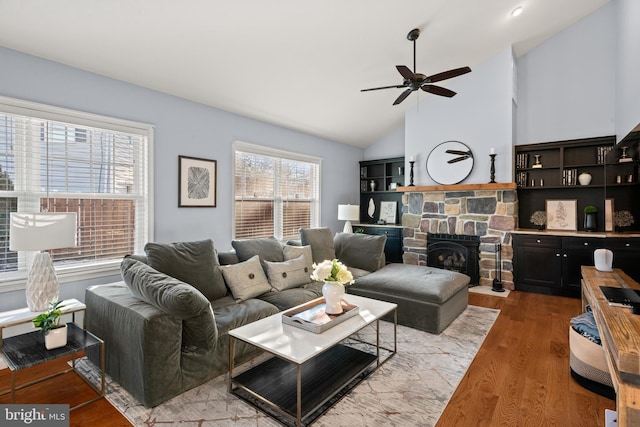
(55, 334)
(539, 218)
(590, 219)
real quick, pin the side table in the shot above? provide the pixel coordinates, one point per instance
(27, 350)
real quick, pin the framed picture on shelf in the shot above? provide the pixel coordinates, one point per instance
(388, 212)
(197, 182)
(608, 215)
(562, 215)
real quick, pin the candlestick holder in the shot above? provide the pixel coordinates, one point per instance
(493, 168)
(411, 163)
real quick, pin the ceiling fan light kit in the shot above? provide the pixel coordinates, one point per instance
(414, 81)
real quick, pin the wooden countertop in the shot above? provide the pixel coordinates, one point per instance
(620, 335)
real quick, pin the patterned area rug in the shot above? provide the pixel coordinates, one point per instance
(411, 389)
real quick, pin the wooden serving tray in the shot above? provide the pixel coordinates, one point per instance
(311, 316)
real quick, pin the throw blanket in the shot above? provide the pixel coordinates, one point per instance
(585, 325)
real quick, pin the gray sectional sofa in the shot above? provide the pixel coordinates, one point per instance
(165, 326)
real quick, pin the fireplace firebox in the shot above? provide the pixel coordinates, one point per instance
(456, 252)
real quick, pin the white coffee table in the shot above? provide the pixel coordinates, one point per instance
(310, 371)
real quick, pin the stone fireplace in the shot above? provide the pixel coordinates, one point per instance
(455, 252)
(486, 212)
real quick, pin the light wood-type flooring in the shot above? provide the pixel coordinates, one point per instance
(520, 376)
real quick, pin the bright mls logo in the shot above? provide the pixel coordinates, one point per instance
(34, 415)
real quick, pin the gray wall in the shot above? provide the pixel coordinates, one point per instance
(479, 116)
(181, 128)
(566, 86)
(391, 145)
(628, 66)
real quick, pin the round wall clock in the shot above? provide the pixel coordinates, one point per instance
(450, 162)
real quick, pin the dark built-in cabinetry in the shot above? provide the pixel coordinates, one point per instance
(551, 170)
(551, 264)
(378, 182)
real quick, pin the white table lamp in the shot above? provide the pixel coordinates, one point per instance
(348, 213)
(40, 232)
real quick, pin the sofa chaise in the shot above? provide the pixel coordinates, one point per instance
(165, 326)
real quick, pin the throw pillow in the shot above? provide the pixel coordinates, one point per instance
(268, 249)
(321, 242)
(246, 279)
(363, 251)
(175, 298)
(292, 252)
(195, 263)
(288, 274)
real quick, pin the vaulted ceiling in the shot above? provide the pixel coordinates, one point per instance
(294, 63)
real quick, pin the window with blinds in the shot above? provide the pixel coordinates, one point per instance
(54, 160)
(276, 192)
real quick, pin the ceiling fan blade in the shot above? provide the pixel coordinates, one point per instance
(406, 72)
(438, 90)
(383, 87)
(448, 74)
(402, 96)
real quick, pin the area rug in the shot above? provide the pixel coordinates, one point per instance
(411, 389)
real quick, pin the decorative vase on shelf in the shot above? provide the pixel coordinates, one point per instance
(372, 185)
(584, 178)
(590, 221)
(333, 293)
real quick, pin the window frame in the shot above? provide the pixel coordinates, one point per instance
(15, 280)
(260, 150)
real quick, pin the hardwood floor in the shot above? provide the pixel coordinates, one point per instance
(520, 376)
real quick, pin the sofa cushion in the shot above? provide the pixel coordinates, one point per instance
(269, 249)
(414, 282)
(321, 242)
(246, 279)
(231, 314)
(195, 263)
(362, 251)
(292, 252)
(288, 274)
(291, 297)
(175, 298)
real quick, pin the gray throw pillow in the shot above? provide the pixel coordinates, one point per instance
(321, 242)
(363, 251)
(175, 298)
(293, 252)
(288, 274)
(246, 279)
(268, 249)
(195, 263)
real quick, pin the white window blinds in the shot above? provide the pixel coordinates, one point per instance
(97, 169)
(276, 193)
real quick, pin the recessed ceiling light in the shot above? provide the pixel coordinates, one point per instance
(517, 11)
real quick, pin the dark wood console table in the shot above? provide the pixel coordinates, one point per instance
(620, 335)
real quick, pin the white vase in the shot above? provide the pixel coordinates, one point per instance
(584, 178)
(56, 338)
(333, 293)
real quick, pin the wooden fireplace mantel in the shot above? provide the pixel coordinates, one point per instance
(457, 187)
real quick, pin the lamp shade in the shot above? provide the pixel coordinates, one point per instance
(348, 212)
(42, 231)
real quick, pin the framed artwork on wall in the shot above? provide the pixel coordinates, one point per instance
(388, 212)
(197, 182)
(562, 215)
(608, 215)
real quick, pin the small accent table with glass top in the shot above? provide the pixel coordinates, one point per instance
(28, 350)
